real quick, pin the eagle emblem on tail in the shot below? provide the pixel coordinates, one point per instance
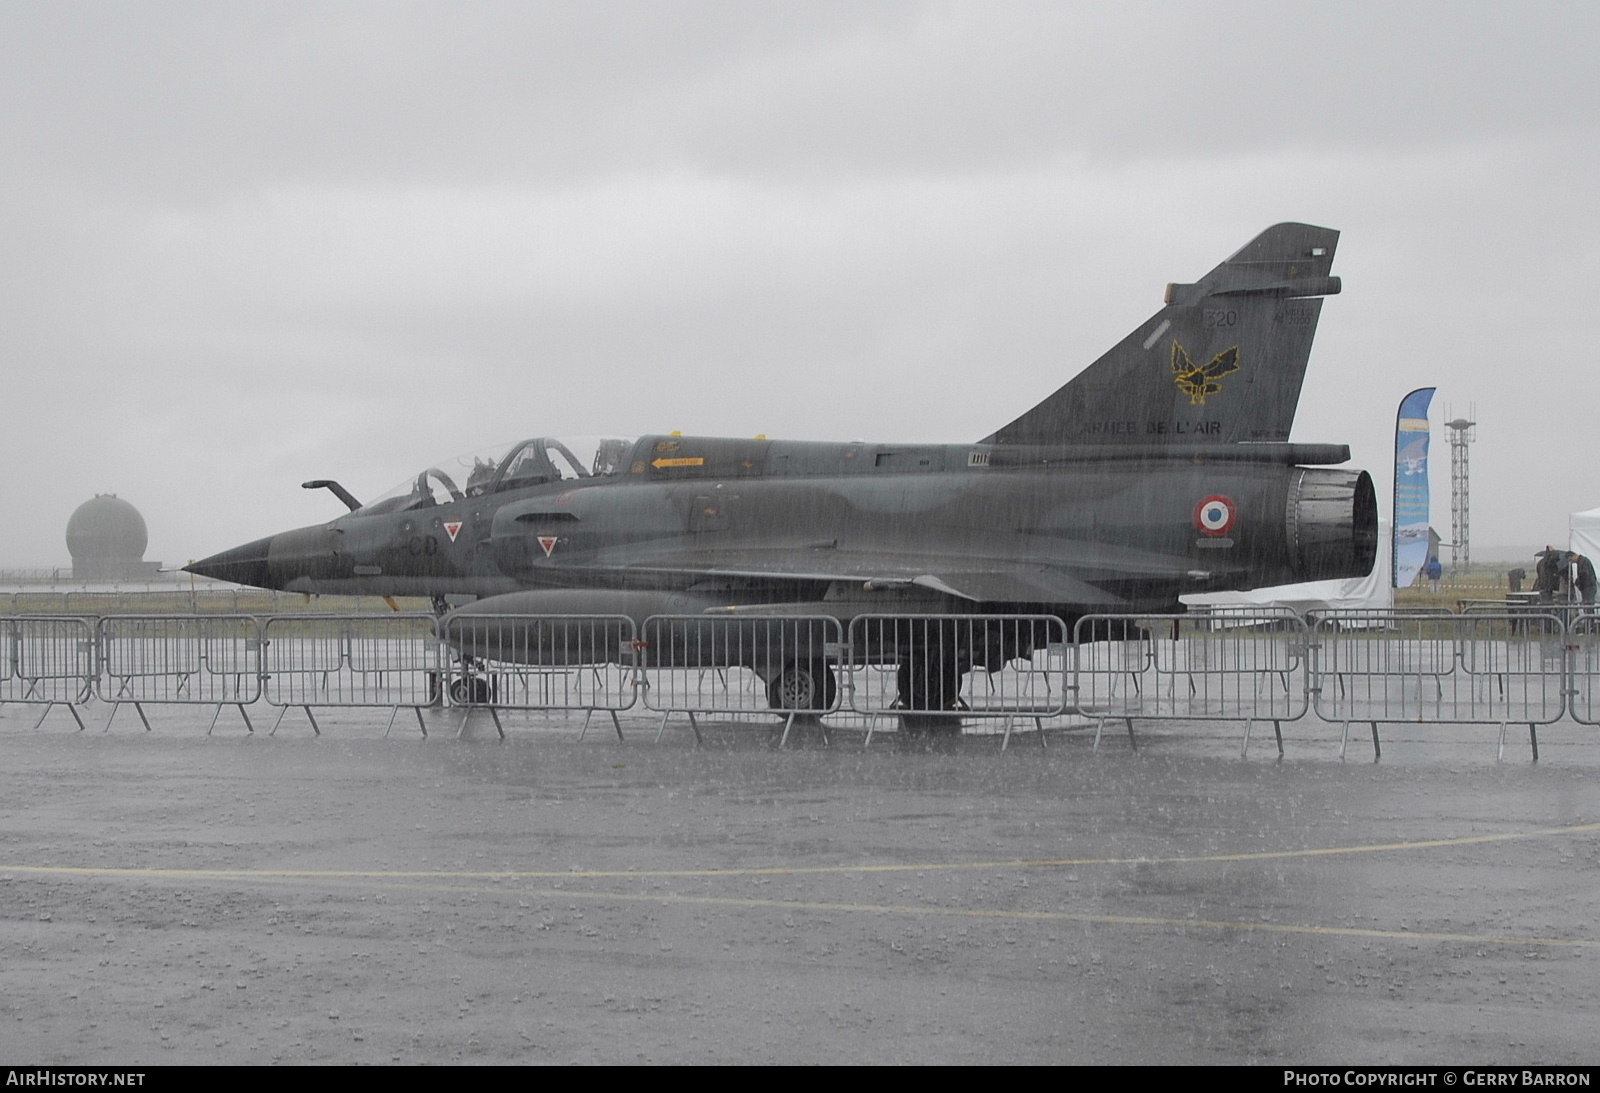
(1198, 382)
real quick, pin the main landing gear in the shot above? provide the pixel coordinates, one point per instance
(929, 692)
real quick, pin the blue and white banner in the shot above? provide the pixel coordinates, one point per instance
(1411, 509)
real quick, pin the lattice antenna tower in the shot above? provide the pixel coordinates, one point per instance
(1462, 434)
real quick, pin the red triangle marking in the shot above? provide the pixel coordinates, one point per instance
(549, 543)
(453, 527)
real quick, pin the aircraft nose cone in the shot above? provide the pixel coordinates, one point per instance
(242, 565)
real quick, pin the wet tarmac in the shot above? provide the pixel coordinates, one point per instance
(168, 897)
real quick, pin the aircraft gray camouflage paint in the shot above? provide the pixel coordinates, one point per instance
(1163, 468)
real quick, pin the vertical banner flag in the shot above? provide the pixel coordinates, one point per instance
(1411, 487)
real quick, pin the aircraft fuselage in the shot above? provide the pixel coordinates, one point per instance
(787, 522)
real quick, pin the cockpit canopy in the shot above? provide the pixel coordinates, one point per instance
(508, 467)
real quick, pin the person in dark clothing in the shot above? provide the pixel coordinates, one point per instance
(1547, 576)
(1515, 577)
(1582, 576)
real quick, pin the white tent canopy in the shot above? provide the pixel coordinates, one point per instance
(1369, 593)
(1583, 533)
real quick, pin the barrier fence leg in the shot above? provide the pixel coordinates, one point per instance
(466, 718)
(589, 713)
(872, 725)
(277, 721)
(787, 725)
(1244, 750)
(117, 705)
(48, 706)
(421, 724)
(694, 725)
(1277, 730)
(1500, 752)
(394, 712)
(1377, 748)
(1133, 741)
(1533, 739)
(251, 728)
(1006, 739)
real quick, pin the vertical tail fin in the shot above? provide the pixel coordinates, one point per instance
(1222, 362)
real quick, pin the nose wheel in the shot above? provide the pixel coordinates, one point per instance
(472, 686)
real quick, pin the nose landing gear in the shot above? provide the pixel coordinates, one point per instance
(802, 686)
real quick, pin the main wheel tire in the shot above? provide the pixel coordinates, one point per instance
(808, 685)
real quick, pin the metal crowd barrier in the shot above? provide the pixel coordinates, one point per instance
(1583, 667)
(1523, 666)
(1441, 668)
(179, 659)
(1242, 665)
(371, 660)
(741, 664)
(543, 662)
(936, 671)
(49, 662)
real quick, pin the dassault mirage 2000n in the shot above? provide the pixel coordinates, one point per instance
(1163, 468)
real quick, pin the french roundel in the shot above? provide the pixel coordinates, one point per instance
(1215, 515)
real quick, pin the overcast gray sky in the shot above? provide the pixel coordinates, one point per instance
(250, 244)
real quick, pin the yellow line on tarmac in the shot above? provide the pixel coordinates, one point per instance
(556, 895)
(1067, 916)
(787, 870)
(440, 882)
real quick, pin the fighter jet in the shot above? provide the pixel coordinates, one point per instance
(1163, 468)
